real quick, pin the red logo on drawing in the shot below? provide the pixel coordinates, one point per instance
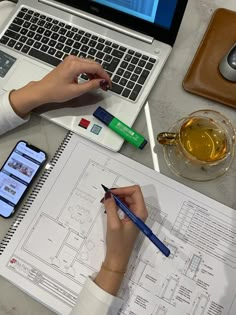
(13, 261)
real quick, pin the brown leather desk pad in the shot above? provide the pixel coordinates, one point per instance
(203, 77)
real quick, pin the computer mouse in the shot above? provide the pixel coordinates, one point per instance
(227, 65)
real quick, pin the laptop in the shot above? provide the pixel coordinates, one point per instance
(130, 39)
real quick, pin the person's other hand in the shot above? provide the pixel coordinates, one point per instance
(122, 233)
(60, 85)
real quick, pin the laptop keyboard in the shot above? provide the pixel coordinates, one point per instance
(51, 40)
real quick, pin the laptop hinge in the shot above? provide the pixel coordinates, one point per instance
(102, 22)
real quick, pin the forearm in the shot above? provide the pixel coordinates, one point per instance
(8, 118)
(25, 99)
(109, 280)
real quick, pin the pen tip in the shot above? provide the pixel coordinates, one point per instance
(104, 187)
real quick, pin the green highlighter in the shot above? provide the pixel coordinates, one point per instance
(120, 128)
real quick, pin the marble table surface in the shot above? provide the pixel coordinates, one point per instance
(167, 103)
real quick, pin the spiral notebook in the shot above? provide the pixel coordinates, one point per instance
(58, 238)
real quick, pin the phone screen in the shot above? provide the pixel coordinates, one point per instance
(16, 175)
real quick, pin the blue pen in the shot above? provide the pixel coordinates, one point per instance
(140, 224)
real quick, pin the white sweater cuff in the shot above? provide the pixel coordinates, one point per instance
(8, 118)
(94, 300)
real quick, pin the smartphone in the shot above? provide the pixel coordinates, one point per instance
(17, 174)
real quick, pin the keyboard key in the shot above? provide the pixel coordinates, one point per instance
(37, 45)
(127, 74)
(36, 37)
(107, 49)
(77, 45)
(44, 48)
(47, 33)
(127, 57)
(31, 34)
(74, 52)
(40, 30)
(141, 80)
(4, 40)
(152, 60)
(52, 43)
(59, 54)
(62, 31)
(117, 53)
(100, 54)
(11, 43)
(70, 34)
(131, 67)
(116, 88)
(23, 31)
(44, 57)
(149, 66)
(51, 51)
(14, 27)
(134, 60)
(134, 77)
(123, 82)
(12, 34)
(45, 40)
(113, 65)
(18, 21)
(133, 96)
(130, 85)
(137, 54)
(59, 46)
(124, 64)
(30, 42)
(67, 49)
(120, 71)
(141, 63)
(18, 46)
(126, 92)
(116, 79)
(25, 49)
(137, 70)
(55, 28)
(69, 42)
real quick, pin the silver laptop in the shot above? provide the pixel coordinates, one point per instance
(130, 39)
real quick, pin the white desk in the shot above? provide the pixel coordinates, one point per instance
(167, 103)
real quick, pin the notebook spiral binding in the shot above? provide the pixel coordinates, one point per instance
(36, 189)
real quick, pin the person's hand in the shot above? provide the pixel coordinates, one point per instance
(122, 233)
(120, 238)
(60, 85)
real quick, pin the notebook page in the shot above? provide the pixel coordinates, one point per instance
(61, 239)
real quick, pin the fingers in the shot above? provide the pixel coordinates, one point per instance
(113, 220)
(91, 85)
(134, 199)
(88, 66)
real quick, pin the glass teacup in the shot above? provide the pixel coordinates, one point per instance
(199, 146)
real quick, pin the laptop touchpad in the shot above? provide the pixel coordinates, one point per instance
(24, 72)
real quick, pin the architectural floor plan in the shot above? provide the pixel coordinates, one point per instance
(64, 243)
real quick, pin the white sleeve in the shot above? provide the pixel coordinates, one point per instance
(8, 118)
(94, 300)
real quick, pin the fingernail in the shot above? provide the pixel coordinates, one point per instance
(107, 195)
(104, 84)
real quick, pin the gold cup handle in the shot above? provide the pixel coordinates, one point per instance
(168, 138)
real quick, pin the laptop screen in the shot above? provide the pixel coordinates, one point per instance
(159, 12)
(159, 19)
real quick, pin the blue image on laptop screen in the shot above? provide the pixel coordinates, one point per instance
(159, 12)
